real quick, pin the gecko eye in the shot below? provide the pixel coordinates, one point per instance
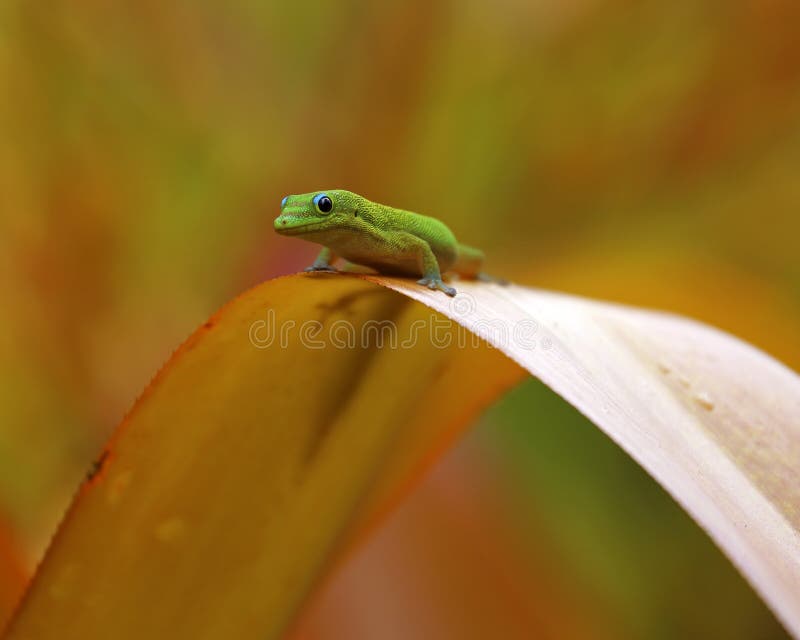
(323, 203)
(283, 202)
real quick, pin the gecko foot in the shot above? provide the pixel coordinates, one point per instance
(436, 284)
(485, 277)
(321, 267)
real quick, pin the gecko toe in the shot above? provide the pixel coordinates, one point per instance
(435, 284)
(485, 277)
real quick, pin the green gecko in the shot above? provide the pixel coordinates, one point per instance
(391, 241)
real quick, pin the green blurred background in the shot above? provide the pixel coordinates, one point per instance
(640, 151)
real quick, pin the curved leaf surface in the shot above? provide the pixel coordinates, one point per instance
(279, 432)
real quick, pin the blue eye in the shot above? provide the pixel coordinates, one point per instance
(283, 202)
(323, 203)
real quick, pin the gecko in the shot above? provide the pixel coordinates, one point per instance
(391, 241)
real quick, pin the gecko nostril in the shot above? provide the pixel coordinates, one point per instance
(283, 221)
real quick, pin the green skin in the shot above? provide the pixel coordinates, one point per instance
(391, 241)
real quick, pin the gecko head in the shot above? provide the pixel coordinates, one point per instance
(316, 211)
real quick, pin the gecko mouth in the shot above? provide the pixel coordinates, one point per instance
(295, 229)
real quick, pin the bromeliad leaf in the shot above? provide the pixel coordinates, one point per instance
(279, 432)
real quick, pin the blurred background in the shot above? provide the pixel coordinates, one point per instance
(635, 150)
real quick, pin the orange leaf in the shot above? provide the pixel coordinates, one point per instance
(282, 428)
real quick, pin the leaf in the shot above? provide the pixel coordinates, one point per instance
(12, 572)
(243, 473)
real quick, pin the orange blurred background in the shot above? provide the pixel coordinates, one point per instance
(633, 150)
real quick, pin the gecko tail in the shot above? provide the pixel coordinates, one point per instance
(468, 263)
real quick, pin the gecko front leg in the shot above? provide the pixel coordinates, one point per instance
(323, 261)
(428, 265)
